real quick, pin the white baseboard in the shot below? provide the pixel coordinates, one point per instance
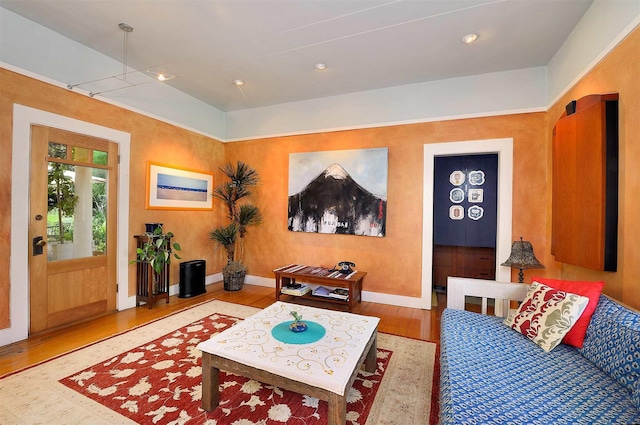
(391, 299)
(260, 281)
(173, 290)
(374, 297)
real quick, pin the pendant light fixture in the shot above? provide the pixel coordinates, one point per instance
(155, 73)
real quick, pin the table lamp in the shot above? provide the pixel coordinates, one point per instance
(522, 257)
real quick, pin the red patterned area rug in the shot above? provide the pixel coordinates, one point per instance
(152, 375)
(160, 382)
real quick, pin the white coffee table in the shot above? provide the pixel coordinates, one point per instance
(324, 369)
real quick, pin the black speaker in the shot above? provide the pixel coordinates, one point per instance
(571, 107)
(192, 275)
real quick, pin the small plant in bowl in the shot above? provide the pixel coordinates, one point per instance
(297, 325)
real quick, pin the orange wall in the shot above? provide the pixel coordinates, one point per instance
(150, 140)
(618, 72)
(393, 263)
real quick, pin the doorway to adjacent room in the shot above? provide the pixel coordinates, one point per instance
(503, 148)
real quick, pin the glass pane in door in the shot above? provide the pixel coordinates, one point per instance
(80, 154)
(57, 150)
(77, 207)
(100, 157)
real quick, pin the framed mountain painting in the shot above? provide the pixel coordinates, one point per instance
(343, 192)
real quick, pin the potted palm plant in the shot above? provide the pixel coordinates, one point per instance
(241, 215)
(157, 252)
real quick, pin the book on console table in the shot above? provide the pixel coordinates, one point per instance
(340, 294)
(321, 291)
(297, 290)
(336, 293)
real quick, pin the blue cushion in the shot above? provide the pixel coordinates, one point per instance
(613, 344)
(491, 374)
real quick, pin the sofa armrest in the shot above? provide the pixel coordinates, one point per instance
(502, 292)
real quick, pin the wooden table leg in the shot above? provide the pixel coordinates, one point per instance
(337, 409)
(371, 361)
(210, 383)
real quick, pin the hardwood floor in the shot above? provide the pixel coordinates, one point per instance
(403, 321)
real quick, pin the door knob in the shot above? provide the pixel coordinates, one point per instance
(38, 243)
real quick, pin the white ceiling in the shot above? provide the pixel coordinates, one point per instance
(273, 44)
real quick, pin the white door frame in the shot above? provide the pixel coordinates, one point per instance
(23, 117)
(504, 149)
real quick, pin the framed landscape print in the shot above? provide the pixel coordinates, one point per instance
(174, 188)
(341, 192)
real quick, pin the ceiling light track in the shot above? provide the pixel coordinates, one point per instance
(155, 73)
(72, 86)
(119, 88)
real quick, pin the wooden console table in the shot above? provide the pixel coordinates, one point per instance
(319, 276)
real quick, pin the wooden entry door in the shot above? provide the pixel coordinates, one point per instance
(72, 227)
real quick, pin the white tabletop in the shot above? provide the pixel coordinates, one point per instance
(327, 363)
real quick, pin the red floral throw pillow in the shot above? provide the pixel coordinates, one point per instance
(591, 290)
(546, 315)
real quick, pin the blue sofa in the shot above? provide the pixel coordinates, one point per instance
(491, 374)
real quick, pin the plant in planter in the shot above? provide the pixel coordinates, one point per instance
(241, 178)
(156, 251)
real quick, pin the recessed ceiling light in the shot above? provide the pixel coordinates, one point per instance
(469, 38)
(238, 83)
(320, 66)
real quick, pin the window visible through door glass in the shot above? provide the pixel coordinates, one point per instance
(77, 208)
